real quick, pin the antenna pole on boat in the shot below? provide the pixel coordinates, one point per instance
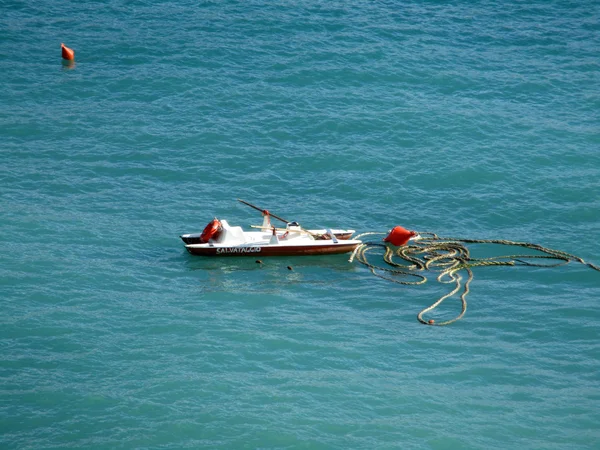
(273, 215)
(262, 210)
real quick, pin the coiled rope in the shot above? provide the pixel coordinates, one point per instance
(449, 257)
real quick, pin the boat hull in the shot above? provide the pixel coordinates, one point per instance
(272, 250)
(194, 238)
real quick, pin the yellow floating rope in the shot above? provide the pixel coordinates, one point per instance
(449, 257)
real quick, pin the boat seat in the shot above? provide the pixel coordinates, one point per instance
(231, 235)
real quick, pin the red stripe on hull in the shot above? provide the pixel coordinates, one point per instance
(290, 250)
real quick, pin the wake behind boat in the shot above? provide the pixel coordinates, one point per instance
(219, 238)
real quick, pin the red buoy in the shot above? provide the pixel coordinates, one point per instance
(399, 236)
(67, 53)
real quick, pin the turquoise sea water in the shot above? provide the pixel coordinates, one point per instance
(468, 119)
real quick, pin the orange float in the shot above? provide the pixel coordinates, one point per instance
(67, 53)
(399, 236)
(212, 230)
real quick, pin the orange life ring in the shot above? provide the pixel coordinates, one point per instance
(211, 231)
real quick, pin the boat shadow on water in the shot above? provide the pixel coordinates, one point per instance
(337, 263)
(274, 275)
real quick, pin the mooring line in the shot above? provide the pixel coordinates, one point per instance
(448, 257)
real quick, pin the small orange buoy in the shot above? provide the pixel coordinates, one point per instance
(399, 236)
(431, 321)
(67, 53)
